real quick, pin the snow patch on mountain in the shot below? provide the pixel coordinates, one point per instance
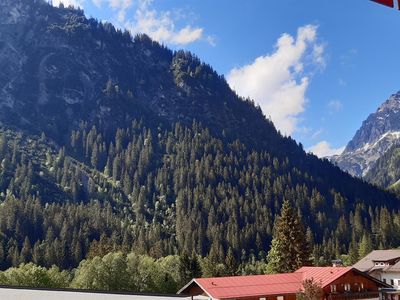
(378, 133)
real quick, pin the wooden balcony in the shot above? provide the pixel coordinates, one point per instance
(353, 295)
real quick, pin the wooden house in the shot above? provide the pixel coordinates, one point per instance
(337, 283)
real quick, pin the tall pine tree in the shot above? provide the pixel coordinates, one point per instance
(290, 250)
(189, 268)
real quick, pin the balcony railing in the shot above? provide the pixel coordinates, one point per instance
(355, 295)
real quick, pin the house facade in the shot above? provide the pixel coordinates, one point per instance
(383, 265)
(337, 283)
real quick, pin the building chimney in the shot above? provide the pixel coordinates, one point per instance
(337, 263)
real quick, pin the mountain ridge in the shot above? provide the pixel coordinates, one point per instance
(77, 89)
(150, 150)
(379, 132)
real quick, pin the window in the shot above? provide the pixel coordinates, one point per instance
(347, 287)
(391, 282)
(263, 298)
(357, 287)
(333, 288)
(362, 285)
(384, 280)
(280, 298)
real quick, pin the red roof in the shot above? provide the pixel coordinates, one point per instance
(264, 285)
(246, 286)
(323, 275)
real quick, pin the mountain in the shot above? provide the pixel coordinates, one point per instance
(57, 67)
(386, 172)
(115, 143)
(377, 134)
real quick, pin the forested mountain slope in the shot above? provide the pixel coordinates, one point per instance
(386, 170)
(121, 140)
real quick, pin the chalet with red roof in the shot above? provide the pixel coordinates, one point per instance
(337, 283)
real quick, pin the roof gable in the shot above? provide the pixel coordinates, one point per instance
(395, 267)
(368, 262)
(266, 285)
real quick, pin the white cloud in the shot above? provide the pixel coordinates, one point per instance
(161, 26)
(187, 35)
(120, 4)
(318, 55)
(75, 3)
(335, 105)
(98, 3)
(317, 133)
(212, 40)
(324, 149)
(278, 81)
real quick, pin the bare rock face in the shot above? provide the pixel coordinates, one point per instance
(59, 68)
(56, 65)
(14, 12)
(379, 132)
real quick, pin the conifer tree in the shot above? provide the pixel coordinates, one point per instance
(365, 246)
(230, 263)
(289, 250)
(353, 256)
(3, 145)
(189, 268)
(26, 251)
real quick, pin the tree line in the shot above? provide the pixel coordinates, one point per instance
(160, 192)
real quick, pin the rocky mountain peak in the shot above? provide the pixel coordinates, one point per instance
(392, 103)
(384, 120)
(378, 133)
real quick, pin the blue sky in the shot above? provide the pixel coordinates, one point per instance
(317, 68)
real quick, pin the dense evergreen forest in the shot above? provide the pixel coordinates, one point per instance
(169, 192)
(385, 172)
(114, 148)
